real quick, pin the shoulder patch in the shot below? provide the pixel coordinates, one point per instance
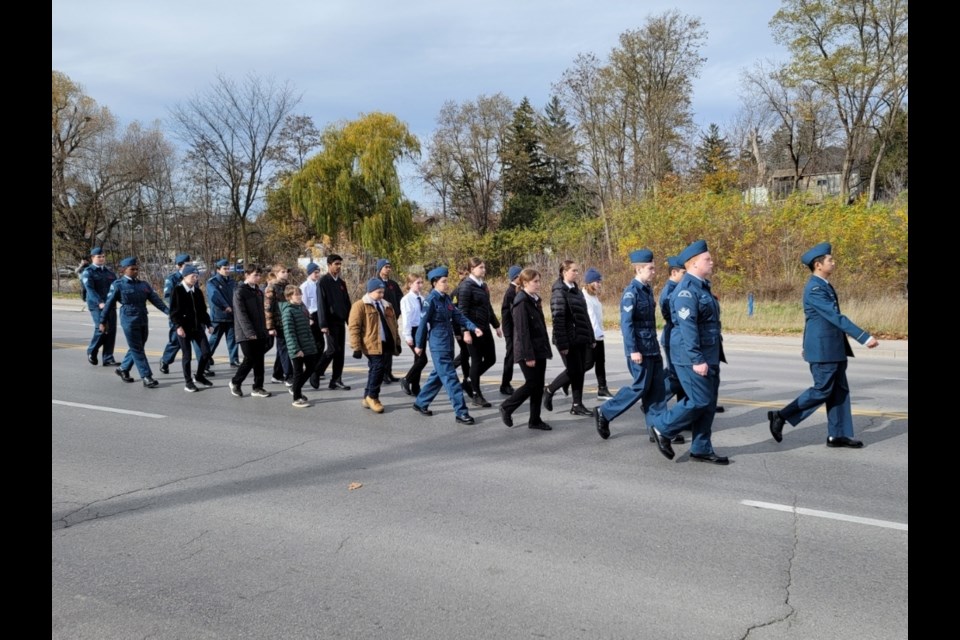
(684, 313)
(628, 308)
(684, 294)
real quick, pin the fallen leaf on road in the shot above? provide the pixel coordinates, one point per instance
(354, 485)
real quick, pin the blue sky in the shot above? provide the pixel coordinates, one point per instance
(405, 57)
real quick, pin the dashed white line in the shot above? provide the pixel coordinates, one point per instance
(887, 524)
(140, 414)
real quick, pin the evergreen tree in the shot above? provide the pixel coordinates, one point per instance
(524, 169)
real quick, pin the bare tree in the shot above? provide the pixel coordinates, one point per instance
(232, 128)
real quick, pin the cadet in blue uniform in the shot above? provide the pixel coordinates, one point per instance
(220, 288)
(173, 343)
(96, 280)
(696, 348)
(638, 324)
(826, 348)
(438, 319)
(133, 295)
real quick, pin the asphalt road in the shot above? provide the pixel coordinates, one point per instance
(202, 515)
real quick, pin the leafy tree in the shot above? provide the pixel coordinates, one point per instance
(353, 186)
(856, 52)
(232, 128)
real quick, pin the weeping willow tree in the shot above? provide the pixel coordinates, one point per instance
(353, 185)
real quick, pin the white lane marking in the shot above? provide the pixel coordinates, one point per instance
(825, 514)
(110, 409)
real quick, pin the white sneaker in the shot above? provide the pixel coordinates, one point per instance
(261, 393)
(302, 402)
(190, 388)
(235, 390)
(274, 380)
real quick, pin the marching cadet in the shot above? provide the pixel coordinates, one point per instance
(188, 312)
(173, 343)
(826, 348)
(220, 288)
(410, 307)
(373, 333)
(597, 356)
(506, 325)
(439, 320)
(393, 295)
(696, 348)
(96, 280)
(638, 324)
(133, 294)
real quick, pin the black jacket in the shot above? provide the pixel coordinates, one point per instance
(334, 299)
(571, 322)
(474, 302)
(189, 310)
(530, 339)
(506, 311)
(392, 294)
(249, 319)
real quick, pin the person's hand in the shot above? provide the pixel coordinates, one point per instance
(417, 350)
(272, 332)
(530, 363)
(102, 327)
(701, 369)
(636, 358)
(467, 337)
(229, 309)
(210, 330)
(478, 331)
(872, 342)
(357, 355)
(409, 343)
(181, 332)
(325, 330)
(499, 332)
(298, 354)
(101, 305)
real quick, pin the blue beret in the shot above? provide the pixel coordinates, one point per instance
(183, 257)
(313, 266)
(641, 255)
(128, 262)
(439, 272)
(514, 272)
(374, 283)
(693, 250)
(222, 262)
(96, 251)
(592, 275)
(821, 249)
(381, 263)
(674, 262)
(187, 270)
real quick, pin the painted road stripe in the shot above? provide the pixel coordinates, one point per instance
(887, 524)
(110, 409)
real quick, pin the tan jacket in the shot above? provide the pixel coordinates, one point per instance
(364, 327)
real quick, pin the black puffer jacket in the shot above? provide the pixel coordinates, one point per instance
(571, 322)
(530, 340)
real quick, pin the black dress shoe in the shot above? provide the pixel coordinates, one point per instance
(480, 401)
(776, 425)
(150, 383)
(405, 385)
(338, 384)
(720, 408)
(391, 378)
(507, 420)
(542, 426)
(92, 358)
(580, 410)
(421, 410)
(164, 367)
(677, 439)
(710, 457)
(506, 390)
(663, 444)
(467, 387)
(124, 375)
(314, 381)
(547, 399)
(843, 441)
(209, 372)
(603, 425)
(110, 362)
(235, 364)
(466, 419)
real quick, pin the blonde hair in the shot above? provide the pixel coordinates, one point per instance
(411, 278)
(592, 288)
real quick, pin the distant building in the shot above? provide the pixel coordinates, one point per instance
(819, 179)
